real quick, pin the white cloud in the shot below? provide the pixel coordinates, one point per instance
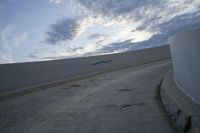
(20, 39)
(56, 1)
(9, 40)
(6, 58)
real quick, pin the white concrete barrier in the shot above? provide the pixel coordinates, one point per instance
(185, 51)
(22, 75)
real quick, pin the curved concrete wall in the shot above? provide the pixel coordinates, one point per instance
(185, 51)
(22, 75)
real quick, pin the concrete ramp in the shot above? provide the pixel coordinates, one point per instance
(122, 101)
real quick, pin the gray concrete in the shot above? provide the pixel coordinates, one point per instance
(14, 77)
(185, 50)
(123, 101)
(183, 110)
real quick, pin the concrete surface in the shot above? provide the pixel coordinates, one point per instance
(182, 109)
(20, 76)
(123, 101)
(185, 51)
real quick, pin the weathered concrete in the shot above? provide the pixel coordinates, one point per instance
(123, 101)
(21, 76)
(182, 109)
(185, 50)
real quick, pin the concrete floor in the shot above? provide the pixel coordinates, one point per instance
(124, 101)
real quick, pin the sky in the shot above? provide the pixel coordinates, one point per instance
(38, 30)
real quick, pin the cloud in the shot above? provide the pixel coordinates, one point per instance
(159, 18)
(70, 51)
(97, 36)
(34, 54)
(9, 40)
(56, 1)
(119, 46)
(149, 13)
(4, 58)
(116, 7)
(127, 45)
(63, 30)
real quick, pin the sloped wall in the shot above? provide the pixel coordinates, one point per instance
(21, 75)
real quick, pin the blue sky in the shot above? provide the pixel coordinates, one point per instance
(35, 30)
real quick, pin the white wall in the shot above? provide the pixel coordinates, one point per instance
(22, 75)
(185, 50)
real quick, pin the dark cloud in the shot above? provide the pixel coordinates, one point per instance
(155, 40)
(97, 36)
(117, 46)
(180, 23)
(63, 30)
(168, 29)
(163, 18)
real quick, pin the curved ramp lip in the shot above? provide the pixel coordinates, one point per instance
(183, 110)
